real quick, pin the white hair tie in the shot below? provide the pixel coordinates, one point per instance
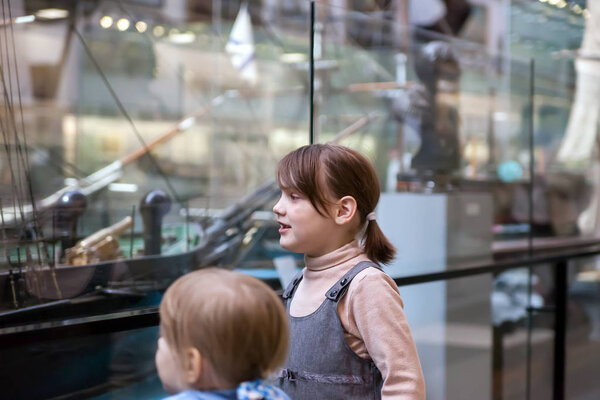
(371, 216)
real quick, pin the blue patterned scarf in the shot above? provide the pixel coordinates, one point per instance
(256, 390)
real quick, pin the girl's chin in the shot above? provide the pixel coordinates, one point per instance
(289, 246)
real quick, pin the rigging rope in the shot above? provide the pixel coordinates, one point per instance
(126, 115)
(20, 179)
(23, 151)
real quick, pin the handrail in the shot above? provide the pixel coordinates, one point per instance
(497, 266)
(84, 326)
(13, 336)
(146, 317)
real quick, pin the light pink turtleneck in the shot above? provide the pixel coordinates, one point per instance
(372, 317)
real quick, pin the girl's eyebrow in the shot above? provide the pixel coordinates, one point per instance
(293, 192)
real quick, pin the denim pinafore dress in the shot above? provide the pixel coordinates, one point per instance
(321, 364)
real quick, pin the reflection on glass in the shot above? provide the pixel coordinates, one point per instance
(106, 366)
(583, 328)
(443, 122)
(140, 145)
(146, 134)
(140, 140)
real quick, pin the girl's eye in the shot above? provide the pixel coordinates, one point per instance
(294, 196)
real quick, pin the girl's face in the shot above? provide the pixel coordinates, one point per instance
(302, 228)
(169, 369)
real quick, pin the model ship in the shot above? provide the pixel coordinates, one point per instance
(95, 265)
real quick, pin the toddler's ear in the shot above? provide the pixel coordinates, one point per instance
(193, 366)
(345, 210)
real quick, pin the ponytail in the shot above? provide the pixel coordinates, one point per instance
(377, 246)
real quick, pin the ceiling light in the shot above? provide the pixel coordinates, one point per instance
(52, 13)
(106, 22)
(292, 58)
(182, 38)
(141, 26)
(158, 31)
(24, 19)
(123, 24)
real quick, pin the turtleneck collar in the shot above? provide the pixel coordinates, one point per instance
(336, 257)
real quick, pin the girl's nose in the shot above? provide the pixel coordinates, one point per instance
(278, 208)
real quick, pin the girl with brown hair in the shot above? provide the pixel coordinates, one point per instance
(349, 338)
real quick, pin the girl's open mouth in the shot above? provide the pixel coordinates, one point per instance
(283, 227)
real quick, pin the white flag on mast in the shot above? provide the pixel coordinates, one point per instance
(240, 46)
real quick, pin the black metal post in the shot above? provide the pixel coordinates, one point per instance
(131, 232)
(187, 226)
(531, 223)
(311, 84)
(560, 330)
(155, 205)
(531, 154)
(497, 362)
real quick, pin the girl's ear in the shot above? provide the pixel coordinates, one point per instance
(193, 366)
(345, 210)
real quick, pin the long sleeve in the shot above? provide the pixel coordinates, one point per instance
(376, 327)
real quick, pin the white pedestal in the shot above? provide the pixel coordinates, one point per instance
(426, 229)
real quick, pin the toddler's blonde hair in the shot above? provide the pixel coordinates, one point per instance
(236, 322)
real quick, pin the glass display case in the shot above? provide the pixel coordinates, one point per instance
(446, 126)
(141, 140)
(439, 117)
(148, 146)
